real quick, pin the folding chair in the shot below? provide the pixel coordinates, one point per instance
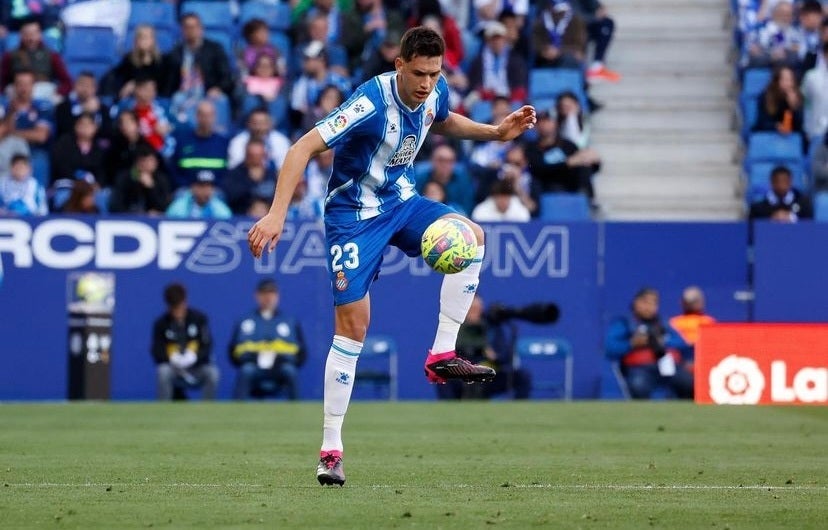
(377, 366)
(535, 352)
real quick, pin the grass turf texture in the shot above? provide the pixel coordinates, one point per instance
(427, 465)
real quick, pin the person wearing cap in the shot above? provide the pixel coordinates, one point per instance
(268, 348)
(651, 353)
(693, 315)
(498, 70)
(315, 76)
(200, 201)
(182, 346)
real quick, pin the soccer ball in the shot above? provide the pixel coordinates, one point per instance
(449, 245)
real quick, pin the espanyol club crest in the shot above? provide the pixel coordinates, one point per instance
(341, 282)
(429, 118)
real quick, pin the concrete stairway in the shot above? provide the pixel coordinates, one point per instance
(665, 131)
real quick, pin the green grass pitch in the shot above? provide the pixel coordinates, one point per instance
(414, 465)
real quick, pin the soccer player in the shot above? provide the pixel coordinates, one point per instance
(372, 203)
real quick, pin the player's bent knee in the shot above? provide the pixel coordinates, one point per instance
(478, 232)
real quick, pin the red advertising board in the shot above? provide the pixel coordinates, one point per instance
(762, 364)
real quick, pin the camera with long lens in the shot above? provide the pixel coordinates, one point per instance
(535, 313)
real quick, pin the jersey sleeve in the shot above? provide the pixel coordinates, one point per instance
(442, 99)
(346, 119)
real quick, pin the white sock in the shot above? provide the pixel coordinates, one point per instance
(339, 381)
(456, 295)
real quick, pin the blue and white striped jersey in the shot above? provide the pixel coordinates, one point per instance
(376, 139)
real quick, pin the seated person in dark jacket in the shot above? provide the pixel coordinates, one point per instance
(83, 98)
(782, 202)
(650, 352)
(78, 153)
(142, 188)
(779, 107)
(126, 141)
(556, 163)
(268, 348)
(253, 177)
(181, 345)
(142, 61)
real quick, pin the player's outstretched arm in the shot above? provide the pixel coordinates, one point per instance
(268, 229)
(511, 127)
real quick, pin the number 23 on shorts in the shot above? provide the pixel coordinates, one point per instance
(346, 256)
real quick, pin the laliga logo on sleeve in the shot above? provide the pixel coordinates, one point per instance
(736, 381)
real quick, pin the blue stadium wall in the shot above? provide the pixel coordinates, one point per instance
(590, 269)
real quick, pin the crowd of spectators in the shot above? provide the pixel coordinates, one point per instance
(218, 111)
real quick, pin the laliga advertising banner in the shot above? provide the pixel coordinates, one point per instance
(762, 364)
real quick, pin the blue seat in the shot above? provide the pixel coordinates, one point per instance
(90, 43)
(96, 67)
(225, 39)
(471, 48)
(41, 166)
(536, 354)
(747, 104)
(276, 16)
(613, 384)
(378, 367)
(821, 206)
(151, 13)
(547, 83)
(213, 15)
(774, 147)
(755, 81)
(563, 207)
(758, 178)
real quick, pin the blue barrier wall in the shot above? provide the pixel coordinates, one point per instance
(589, 269)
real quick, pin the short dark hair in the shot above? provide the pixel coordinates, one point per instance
(421, 41)
(811, 6)
(86, 73)
(23, 71)
(175, 294)
(502, 187)
(87, 116)
(144, 79)
(645, 291)
(143, 150)
(189, 14)
(781, 170)
(19, 157)
(252, 26)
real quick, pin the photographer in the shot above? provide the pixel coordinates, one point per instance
(650, 351)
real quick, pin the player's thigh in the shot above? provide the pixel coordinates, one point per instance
(354, 257)
(419, 213)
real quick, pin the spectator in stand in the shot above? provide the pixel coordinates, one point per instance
(501, 205)
(79, 153)
(814, 57)
(302, 207)
(15, 14)
(435, 191)
(516, 37)
(26, 117)
(325, 8)
(425, 9)
(559, 36)
(382, 59)
(82, 100)
(199, 148)
(50, 75)
(259, 127)
(317, 174)
(498, 70)
(20, 193)
(374, 22)
(487, 157)
(153, 124)
(143, 61)
(489, 11)
(692, 317)
(783, 202)
(318, 30)
(557, 164)
(259, 206)
(252, 178)
(819, 164)
(263, 81)
(315, 77)
(777, 42)
(571, 122)
(810, 23)
(181, 346)
(815, 92)
(329, 99)
(268, 348)
(195, 68)
(10, 144)
(144, 188)
(515, 169)
(456, 182)
(81, 199)
(458, 83)
(200, 201)
(600, 28)
(125, 143)
(650, 352)
(257, 39)
(779, 107)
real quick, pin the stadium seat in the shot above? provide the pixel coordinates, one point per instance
(481, 111)
(276, 16)
(758, 175)
(613, 384)
(537, 354)
(755, 80)
(471, 48)
(821, 207)
(225, 39)
(545, 84)
(41, 168)
(564, 207)
(281, 41)
(378, 366)
(90, 43)
(150, 13)
(98, 68)
(747, 105)
(213, 15)
(774, 147)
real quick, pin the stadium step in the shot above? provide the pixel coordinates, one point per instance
(665, 135)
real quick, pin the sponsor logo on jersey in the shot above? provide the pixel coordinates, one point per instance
(405, 153)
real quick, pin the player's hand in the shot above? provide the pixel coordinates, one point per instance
(265, 233)
(517, 123)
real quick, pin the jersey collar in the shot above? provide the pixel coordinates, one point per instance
(403, 106)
